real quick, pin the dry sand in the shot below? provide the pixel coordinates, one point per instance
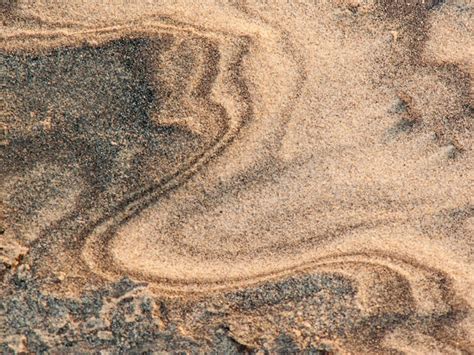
(275, 175)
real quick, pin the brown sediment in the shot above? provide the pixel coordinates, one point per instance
(259, 165)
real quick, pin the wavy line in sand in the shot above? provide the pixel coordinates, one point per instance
(230, 79)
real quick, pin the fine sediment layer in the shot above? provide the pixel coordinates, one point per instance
(287, 169)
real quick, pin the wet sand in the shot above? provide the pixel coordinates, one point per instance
(237, 176)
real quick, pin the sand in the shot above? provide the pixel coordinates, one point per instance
(282, 176)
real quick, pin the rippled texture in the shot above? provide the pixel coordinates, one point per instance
(284, 176)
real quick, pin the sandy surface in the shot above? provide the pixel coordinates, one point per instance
(237, 176)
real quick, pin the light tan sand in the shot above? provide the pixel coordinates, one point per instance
(331, 137)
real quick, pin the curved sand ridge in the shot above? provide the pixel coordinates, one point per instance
(99, 252)
(304, 141)
(220, 76)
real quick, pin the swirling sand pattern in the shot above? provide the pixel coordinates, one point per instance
(304, 168)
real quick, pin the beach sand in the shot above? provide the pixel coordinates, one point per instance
(233, 176)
